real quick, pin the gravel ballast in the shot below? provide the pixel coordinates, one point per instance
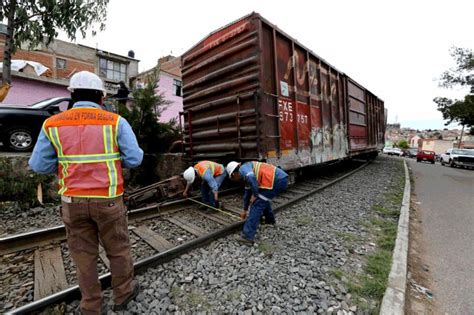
(304, 264)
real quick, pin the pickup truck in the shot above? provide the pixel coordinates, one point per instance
(458, 157)
(426, 155)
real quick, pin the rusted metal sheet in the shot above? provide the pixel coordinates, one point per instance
(167, 189)
(253, 92)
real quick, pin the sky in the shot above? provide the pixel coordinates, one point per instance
(396, 49)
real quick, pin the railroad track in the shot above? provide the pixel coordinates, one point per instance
(158, 234)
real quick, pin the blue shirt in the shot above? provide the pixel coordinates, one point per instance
(251, 184)
(209, 178)
(44, 158)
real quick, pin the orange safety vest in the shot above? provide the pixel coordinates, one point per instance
(85, 140)
(265, 174)
(216, 168)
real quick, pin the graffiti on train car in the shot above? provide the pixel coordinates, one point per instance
(327, 144)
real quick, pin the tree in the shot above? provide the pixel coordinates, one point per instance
(36, 22)
(403, 144)
(460, 111)
(463, 73)
(153, 136)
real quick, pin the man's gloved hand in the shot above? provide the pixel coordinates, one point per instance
(243, 215)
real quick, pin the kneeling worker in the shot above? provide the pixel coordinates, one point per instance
(212, 175)
(263, 182)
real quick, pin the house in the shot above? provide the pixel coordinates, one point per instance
(414, 141)
(62, 59)
(436, 145)
(169, 84)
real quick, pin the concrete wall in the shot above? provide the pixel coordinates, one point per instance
(166, 87)
(438, 146)
(27, 92)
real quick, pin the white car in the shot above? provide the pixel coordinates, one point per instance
(393, 151)
(458, 157)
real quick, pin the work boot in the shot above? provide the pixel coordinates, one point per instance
(244, 241)
(123, 306)
(103, 311)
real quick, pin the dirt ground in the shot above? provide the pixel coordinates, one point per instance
(418, 300)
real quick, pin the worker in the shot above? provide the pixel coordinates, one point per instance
(212, 175)
(263, 182)
(87, 147)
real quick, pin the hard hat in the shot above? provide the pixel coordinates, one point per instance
(230, 168)
(86, 80)
(189, 175)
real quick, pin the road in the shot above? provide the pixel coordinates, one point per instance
(446, 197)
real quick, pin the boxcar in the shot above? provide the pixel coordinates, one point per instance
(250, 91)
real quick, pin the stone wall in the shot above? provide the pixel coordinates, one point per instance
(170, 164)
(19, 183)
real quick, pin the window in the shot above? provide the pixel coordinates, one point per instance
(60, 63)
(177, 87)
(112, 70)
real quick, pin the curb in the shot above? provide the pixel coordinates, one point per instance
(394, 298)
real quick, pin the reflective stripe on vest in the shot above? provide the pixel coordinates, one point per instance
(203, 166)
(86, 130)
(265, 174)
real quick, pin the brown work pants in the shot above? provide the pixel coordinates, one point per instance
(87, 220)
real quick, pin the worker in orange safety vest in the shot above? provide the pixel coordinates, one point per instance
(263, 182)
(212, 175)
(87, 147)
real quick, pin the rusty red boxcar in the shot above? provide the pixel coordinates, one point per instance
(253, 92)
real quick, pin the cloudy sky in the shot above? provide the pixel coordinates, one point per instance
(396, 49)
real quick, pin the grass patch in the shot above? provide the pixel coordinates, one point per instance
(382, 226)
(196, 299)
(304, 220)
(386, 237)
(348, 237)
(385, 212)
(174, 292)
(266, 248)
(374, 282)
(233, 295)
(338, 273)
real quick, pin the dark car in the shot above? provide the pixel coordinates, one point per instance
(20, 125)
(412, 152)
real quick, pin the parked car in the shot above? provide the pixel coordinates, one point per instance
(20, 124)
(458, 157)
(412, 153)
(426, 155)
(395, 151)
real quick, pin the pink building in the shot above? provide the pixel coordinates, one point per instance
(28, 89)
(170, 85)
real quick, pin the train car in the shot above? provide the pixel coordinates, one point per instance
(251, 92)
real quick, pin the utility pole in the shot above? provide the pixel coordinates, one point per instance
(460, 138)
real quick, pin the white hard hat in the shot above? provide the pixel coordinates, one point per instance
(86, 80)
(230, 168)
(189, 175)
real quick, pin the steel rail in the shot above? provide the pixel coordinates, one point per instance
(73, 292)
(42, 237)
